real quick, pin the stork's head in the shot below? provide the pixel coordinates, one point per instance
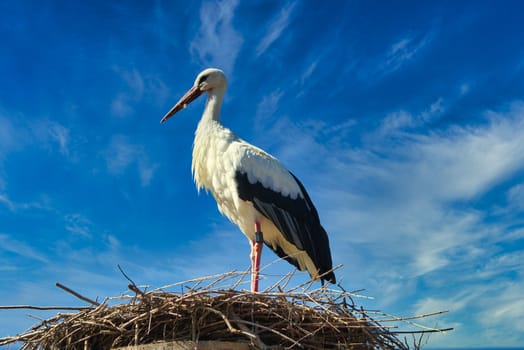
(207, 81)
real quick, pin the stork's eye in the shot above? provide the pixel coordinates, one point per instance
(203, 79)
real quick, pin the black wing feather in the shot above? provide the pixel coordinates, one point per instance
(297, 219)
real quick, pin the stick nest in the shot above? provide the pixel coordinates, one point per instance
(297, 319)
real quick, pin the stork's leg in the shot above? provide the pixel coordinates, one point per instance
(256, 253)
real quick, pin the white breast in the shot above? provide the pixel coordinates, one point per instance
(214, 166)
(218, 154)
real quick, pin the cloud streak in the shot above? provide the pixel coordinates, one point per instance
(395, 199)
(137, 87)
(217, 43)
(398, 55)
(120, 155)
(275, 28)
(403, 51)
(8, 244)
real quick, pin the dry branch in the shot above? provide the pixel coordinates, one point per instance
(31, 307)
(76, 294)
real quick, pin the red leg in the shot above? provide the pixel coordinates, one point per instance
(256, 253)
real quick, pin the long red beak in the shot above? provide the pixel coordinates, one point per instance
(189, 97)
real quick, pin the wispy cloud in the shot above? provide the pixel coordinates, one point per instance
(403, 51)
(504, 308)
(78, 224)
(515, 196)
(120, 106)
(60, 135)
(135, 82)
(7, 202)
(401, 121)
(51, 134)
(398, 55)
(454, 304)
(120, 155)
(137, 86)
(20, 248)
(308, 72)
(487, 154)
(15, 206)
(493, 305)
(268, 106)
(45, 133)
(275, 28)
(464, 88)
(394, 199)
(217, 43)
(500, 264)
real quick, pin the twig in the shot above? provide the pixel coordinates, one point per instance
(31, 307)
(440, 330)
(79, 296)
(128, 278)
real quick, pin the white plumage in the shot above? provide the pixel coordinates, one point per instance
(251, 187)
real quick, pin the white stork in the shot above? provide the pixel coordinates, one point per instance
(253, 189)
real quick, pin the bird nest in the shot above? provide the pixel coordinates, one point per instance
(299, 318)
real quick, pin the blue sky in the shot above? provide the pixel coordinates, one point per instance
(405, 121)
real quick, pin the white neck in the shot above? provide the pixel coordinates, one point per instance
(213, 105)
(207, 134)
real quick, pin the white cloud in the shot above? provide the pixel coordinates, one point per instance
(46, 133)
(454, 164)
(309, 71)
(120, 106)
(60, 135)
(158, 91)
(268, 106)
(494, 310)
(397, 55)
(504, 309)
(78, 224)
(433, 112)
(120, 155)
(135, 82)
(217, 43)
(15, 206)
(7, 202)
(404, 202)
(303, 82)
(515, 196)
(464, 89)
(403, 51)
(146, 170)
(20, 248)
(54, 137)
(396, 121)
(497, 265)
(137, 87)
(400, 121)
(452, 304)
(276, 28)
